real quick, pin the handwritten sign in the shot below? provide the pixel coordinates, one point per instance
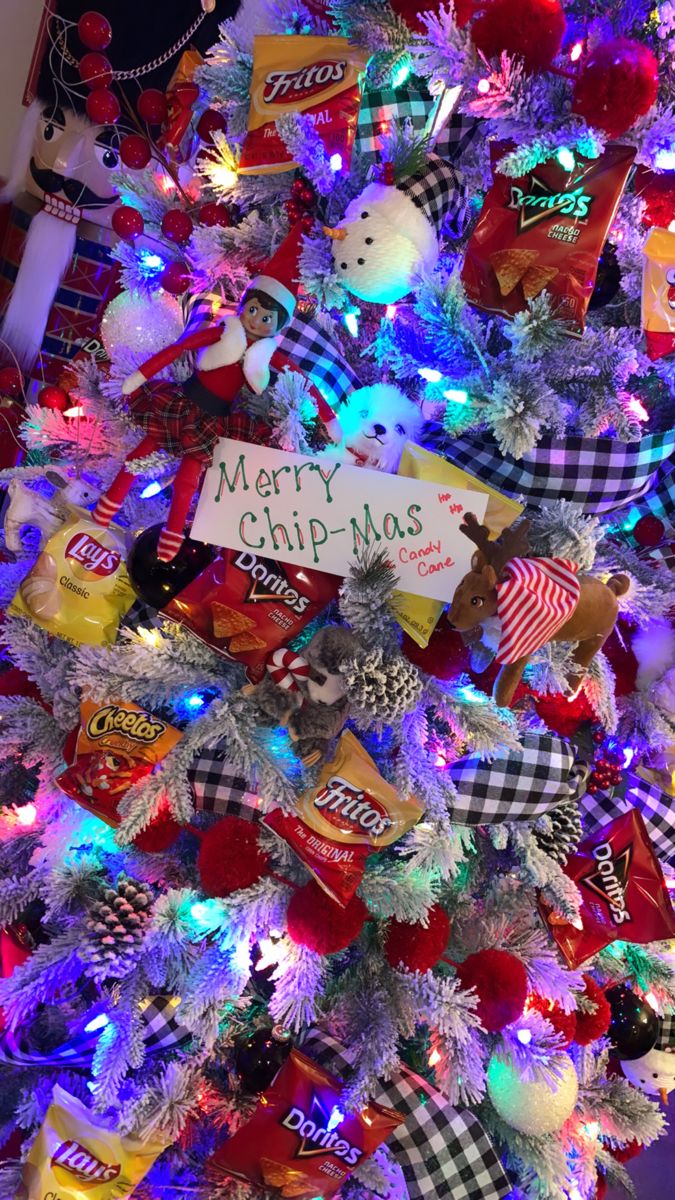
(319, 513)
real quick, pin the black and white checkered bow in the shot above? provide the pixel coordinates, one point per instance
(658, 811)
(595, 474)
(441, 1150)
(519, 785)
(218, 788)
(310, 347)
(437, 190)
(666, 1036)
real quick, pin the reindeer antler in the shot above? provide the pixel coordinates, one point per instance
(512, 543)
(477, 533)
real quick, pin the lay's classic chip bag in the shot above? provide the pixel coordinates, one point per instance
(318, 76)
(78, 587)
(418, 615)
(74, 1157)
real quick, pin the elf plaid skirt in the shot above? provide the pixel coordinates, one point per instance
(181, 427)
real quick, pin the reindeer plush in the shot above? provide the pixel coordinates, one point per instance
(535, 600)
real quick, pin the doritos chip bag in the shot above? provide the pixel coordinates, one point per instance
(351, 812)
(298, 1141)
(78, 588)
(658, 293)
(417, 614)
(545, 230)
(318, 76)
(116, 745)
(624, 893)
(74, 1155)
(246, 606)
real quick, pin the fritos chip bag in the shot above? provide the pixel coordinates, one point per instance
(545, 230)
(298, 1141)
(116, 745)
(246, 606)
(350, 813)
(75, 1156)
(658, 293)
(78, 588)
(418, 615)
(319, 76)
(624, 892)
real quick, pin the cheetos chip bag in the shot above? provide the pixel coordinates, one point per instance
(75, 1156)
(116, 744)
(78, 587)
(658, 293)
(623, 891)
(351, 812)
(317, 76)
(299, 1142)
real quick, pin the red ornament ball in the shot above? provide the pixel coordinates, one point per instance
(293, 211)
(152, 106)
(161, 833)
(416, 947)
(532, 30)
(177, 226)
(501, 983)
(616, 84)
(95, 70)
(307, 195)
(103, 107)
(649, 531)
(297, 188)
(94, 30)
(175, 277)
(215, 214)
(591, 1026)
(135, 151)
(230, 857)
(127, 222)
(564, 1023)
(307, 223)
(11, 381)
(658, 193)
(53, 397)
(316, 921)
(209, 123)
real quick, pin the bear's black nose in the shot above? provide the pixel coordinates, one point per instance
(379, 430)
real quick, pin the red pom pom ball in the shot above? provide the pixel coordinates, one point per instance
(177, 226)
(531, 29)
(230, 857)
(215, 214)
(416, 947)
(501, 983)
(94, 30)
(134, 152)
(316, 921)
(591, 1026)
(11, 381)
(564, 1023)
(152, 106)
(95, 70)
(649, 531)
(102, 107)
(161, 833)
(53, 397)
(616, 84)
(209, 123)
(127, 222)
(175, 278)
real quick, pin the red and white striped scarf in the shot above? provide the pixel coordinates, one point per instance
(536, 597)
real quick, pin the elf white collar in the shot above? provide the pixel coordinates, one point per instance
(232, 347)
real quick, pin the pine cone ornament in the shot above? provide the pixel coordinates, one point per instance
(383, 687)
(559, 832)
(115, 927)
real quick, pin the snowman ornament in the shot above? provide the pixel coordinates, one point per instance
(391, 231)
(654, 1073)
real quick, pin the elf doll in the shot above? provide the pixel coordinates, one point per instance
(188, 418)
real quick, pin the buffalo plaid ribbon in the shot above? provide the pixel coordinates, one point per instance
(437, 190)
(441, 1150)
(518, 785)
(311, 348)
(657, 809)
(382, 106)
(660, 499)
(666, 1035)
(218, 788)
(594, 474)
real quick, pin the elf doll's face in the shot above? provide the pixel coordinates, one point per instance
(71, 165)
(258, 321)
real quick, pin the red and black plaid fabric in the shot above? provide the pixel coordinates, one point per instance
(181, 427)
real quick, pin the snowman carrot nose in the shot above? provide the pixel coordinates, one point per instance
(336, 235)
(663, 1093)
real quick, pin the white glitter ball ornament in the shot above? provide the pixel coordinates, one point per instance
(141, 324)
(533, 1108)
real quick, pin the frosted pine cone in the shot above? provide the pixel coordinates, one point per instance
(115, 927)
(383, 686)
(559, 832)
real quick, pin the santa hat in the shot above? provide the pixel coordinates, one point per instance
(280, 280)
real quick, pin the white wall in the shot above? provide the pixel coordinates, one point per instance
(19, 21)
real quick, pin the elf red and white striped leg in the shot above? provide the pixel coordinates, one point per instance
(184, 487)
(111, 501)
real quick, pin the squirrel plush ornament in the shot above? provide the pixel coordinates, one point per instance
(529, 602)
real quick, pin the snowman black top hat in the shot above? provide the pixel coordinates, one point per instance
(389, 232)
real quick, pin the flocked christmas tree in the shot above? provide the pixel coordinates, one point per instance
(266, 819)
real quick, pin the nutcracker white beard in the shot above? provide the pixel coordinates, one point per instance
(47, 253)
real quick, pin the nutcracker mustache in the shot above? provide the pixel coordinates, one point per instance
(73, 189)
